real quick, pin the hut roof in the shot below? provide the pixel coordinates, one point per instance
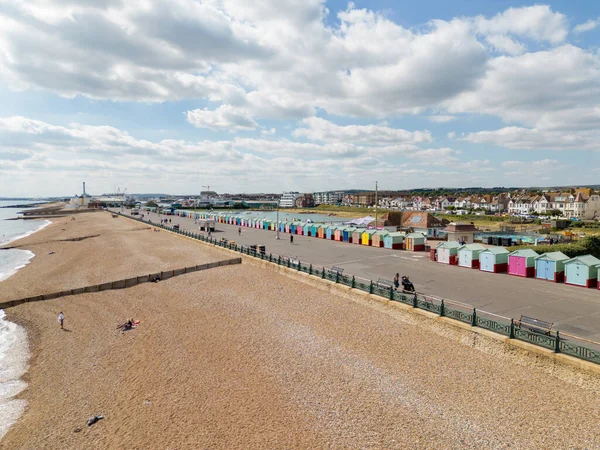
(415, 235)
(418, 219)
(496, 250)
(382, 232)
(450, 244)
(460, 227)
(472, 247)
(588, 260)
(554, 256)
(395, 233)
(370, 232)
(527, 252)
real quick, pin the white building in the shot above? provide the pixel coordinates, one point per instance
(328, 198)
(288, 199)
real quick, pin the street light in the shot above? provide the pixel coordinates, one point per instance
(277, 221)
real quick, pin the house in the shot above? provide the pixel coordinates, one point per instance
(460, 232)
(423, 222)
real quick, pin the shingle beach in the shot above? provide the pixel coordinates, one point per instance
(246, 357)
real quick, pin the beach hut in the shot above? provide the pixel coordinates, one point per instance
(356, 236)
(394, 241)
(448, 252)
(551, 266)
(367, 237)
(415, 242)
(378, 238)
(582, 271)
(522, 263)
(494, 259)
(468, 255)
(314, 228)
(293, 227)
(347, 233)
(321, 231)
(301, 228)
(330, 232)
(287, 227)
(282, 227)
(338, 234)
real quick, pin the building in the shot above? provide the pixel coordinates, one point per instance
(328, 198)
(460, 232)
(423, 222)
(305, 201)
(288, 199)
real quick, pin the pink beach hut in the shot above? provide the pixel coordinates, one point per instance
(521, 263)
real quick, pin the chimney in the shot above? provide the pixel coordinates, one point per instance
(84, 188)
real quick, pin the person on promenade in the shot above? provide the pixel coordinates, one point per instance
(61, 319)
(396, 281)
(291, 238)
(239, 231)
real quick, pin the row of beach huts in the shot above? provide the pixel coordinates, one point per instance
(363, 236)
(553, 266)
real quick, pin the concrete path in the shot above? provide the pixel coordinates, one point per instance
(572, 309)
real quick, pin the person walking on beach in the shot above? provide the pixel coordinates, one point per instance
(61, 319)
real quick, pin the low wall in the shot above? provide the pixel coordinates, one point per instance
(122, 284)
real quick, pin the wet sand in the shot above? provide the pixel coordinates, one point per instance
(244, 357)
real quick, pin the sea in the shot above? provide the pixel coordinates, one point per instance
(14, 352)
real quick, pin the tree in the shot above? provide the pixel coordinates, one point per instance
(151, 204)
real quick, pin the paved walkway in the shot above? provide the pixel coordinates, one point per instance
(572, 309)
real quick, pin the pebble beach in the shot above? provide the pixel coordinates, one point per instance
(246, 357)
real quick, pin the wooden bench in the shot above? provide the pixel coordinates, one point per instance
(534, 325)
(339, 270)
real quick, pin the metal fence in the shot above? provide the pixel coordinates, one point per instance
(506, 326)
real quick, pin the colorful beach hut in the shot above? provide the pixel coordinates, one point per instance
(347, 233)
(494, 259)
(415, 242)
(321, 231)
(468, 255)
(314, 228)
(448, 252)
(330, 232)
(394, 241)
(338, 234)
(551, 266)
(582, 271)
(356, 236)
(377, 239)
(367, 237)
(521, 263)
(302, 229)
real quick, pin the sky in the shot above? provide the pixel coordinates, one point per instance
(173, 96)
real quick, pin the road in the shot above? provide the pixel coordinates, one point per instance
(572, 309)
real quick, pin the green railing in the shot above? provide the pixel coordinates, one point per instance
(551, 340)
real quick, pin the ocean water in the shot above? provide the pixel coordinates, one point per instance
(12, 260)
(14, 355)
(14, 352)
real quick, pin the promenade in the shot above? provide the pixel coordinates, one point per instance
(572, 309)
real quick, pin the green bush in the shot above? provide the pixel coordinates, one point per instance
(589, 245)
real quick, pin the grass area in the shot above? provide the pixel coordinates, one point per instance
(339, 211)
(589, 245)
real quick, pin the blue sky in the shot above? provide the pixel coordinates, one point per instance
(174, 95)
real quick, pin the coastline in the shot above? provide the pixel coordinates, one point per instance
(245, 357)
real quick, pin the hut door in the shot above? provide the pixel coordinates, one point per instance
(487, 262)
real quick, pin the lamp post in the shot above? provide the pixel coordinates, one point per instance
(376, 205)
(277, 221)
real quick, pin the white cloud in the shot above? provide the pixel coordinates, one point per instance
(505, 44)
(224, 117)
(440, 118)
(586, 26)
(451, 135)
(270, 132)
(537, 22)
(318, 129)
